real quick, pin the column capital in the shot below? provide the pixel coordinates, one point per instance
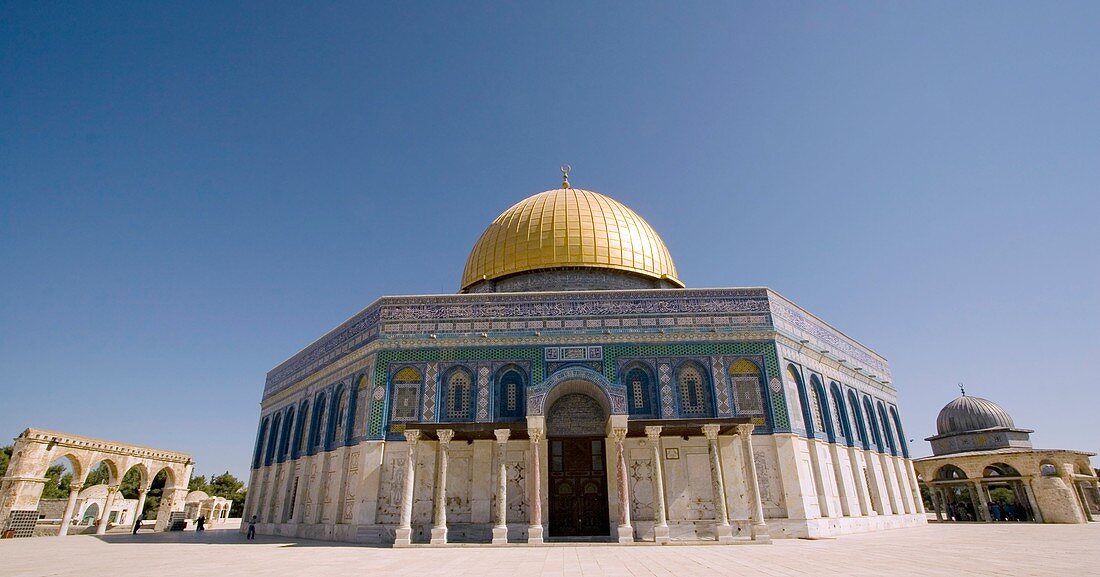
(653, 432)
(412, 436)
(445, 435)
(536, 435)
(745, 429)
(112, 488)
(75, 487)
(618, 433)
(502, 435)
(710, 431)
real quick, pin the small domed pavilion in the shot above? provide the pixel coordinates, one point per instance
(984, 468)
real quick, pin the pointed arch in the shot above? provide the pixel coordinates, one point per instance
(317, 426)
(405, 392)
(819, 411)
(301, 435)
(273, 439)
(857, 420)
(336, 431)
(511, 392)
(458, 395)
(693, 390)
(748, 384)
(872, 424)
(641, 391)
(288, 430)
(261, 440)
(887, 433)
(841, 426)
(896, 422)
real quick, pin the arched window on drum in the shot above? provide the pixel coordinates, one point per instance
(747, 384)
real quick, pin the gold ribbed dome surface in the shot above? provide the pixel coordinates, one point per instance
(568, 227)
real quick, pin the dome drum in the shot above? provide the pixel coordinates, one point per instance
(976, 424)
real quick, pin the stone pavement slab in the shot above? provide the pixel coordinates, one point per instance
(936, 549)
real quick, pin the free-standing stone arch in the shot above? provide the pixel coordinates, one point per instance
(35, 449)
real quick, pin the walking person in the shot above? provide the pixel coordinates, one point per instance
(137, 524)
(200, 523)
(252, 528)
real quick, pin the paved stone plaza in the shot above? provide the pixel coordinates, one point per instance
(936, 549)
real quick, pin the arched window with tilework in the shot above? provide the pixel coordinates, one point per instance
(273, 439)
(317, 431)
(694, 390)
(896, 421)
(288, 431)
(794, 391)
(815, 392)
(638, 381)
(884, 420)
(872, 424)
(458, 398)
(511, 398)
(406, 395)
(840, 416)
(261, 440)
(747, 386)
(857, 420)
(340, 417)
(303, 429)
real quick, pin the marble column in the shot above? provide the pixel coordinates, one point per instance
(722, 529)
(70, 508)
(759, 530)
(980, 502)
(404, 528)
(1037, 516)
(660, 516)
(625, 530)
(500, 528)
(439, 527)
(140, 506)
(101, 529)
(534, 489)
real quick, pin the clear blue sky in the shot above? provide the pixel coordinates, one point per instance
(191, 193)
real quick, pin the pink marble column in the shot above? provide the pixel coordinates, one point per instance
(404, 528)
(625, 531)
(534, 483)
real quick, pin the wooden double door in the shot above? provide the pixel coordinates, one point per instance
(578, 487)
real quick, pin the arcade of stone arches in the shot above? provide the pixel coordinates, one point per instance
(36, 449)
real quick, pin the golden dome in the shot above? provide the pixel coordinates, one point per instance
(568, 227)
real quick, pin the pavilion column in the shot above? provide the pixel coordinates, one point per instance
(404, 528)
(140, 506)
(70, 508)
(534, 484)
(660, 517)
(101, 529)
(982, 504)
(500, 529)
(439, 527)
(625, 530)
(759, 530)
(1037, 516)
(937, 505)
(722, 529)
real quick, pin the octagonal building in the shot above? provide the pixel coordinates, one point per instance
(575, 389)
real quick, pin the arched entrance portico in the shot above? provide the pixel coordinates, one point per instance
(576, 426)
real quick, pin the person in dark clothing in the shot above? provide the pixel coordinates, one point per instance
(137, 524)
(252, 528)
(200, 523)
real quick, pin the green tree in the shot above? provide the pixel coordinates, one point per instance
(5, 458)
(57, 484)
(131, 483)
(100, 475)
(198, 484)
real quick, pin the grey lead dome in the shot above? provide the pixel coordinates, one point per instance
(968, 413)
